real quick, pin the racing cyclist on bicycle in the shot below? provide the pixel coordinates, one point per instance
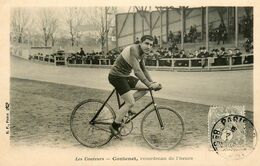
(131, 58)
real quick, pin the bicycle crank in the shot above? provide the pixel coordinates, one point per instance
(126, 128)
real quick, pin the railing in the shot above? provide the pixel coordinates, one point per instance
(189, 64)
(178, 63)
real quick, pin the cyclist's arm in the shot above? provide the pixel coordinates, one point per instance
(137, 69)
(145, 71)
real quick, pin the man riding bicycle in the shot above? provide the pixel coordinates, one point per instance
(131, 58)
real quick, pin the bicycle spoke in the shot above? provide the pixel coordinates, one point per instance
(104, 129)
(104, 120)
(88, 134)
(168, 136)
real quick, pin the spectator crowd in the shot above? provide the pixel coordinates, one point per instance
(171, 49)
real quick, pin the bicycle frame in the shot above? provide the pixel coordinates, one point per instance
(121, 104)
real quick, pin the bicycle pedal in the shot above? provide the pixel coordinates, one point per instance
(115, 133)
(131, 113)
(118, 137)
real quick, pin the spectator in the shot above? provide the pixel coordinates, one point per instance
(237, 52)
(191, 55)
(248, 45)
(211, 32)
(213, 53)
(222, 33)
(82, 53)
(196, 53)
(192, 34)
(230, 53)
(155, 42)
(237, 60)
(222, 52)
(203, 55)
(137, 41)
(221, 59)
(171, 45)
(247, 24)
(179, 37)
(182, 54)
(171, 36)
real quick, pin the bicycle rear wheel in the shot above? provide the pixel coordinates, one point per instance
(162, 138)
(91, 134)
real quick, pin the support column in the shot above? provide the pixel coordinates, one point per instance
(142, 21)
(182, 27)
(106, 32)
(116, 31)
(228, 20)
(150, 25)
(134, 21)
(167, 23)
(161, 21)
(202, 22)
(207, 28)
(236, 26)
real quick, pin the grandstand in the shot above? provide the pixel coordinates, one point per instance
(181, 33)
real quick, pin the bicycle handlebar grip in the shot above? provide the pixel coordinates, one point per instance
(158, 88)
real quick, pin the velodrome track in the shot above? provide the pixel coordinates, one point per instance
(210, 88)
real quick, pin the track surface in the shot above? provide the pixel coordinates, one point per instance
(210, 88)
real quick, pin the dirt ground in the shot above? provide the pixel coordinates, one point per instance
(40, 114)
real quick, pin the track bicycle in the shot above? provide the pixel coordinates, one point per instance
(161, 126)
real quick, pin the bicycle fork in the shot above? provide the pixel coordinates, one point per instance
(157, 111)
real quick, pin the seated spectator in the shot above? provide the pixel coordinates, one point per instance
(230, 53)
(203, 55)
(71, 59)
(182, 54)
(248, 59)
(221, 59)
(196, 53)
(213, 53)
(237, 59)
(175, 49)
(191, 55)
(237, 52)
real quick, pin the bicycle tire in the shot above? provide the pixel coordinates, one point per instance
(91, 135)
(159, 138)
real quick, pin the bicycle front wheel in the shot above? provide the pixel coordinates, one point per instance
(162, 137)
(96, 133)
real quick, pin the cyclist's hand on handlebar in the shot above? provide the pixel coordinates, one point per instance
(155, 86)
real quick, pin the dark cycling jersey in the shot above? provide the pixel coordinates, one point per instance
(131, 58)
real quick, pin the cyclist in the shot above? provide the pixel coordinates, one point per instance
(131, 58)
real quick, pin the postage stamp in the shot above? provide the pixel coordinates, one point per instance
(232, 135)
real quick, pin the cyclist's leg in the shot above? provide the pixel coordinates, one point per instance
(129, 103)
(136, 83)
(139, 94)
